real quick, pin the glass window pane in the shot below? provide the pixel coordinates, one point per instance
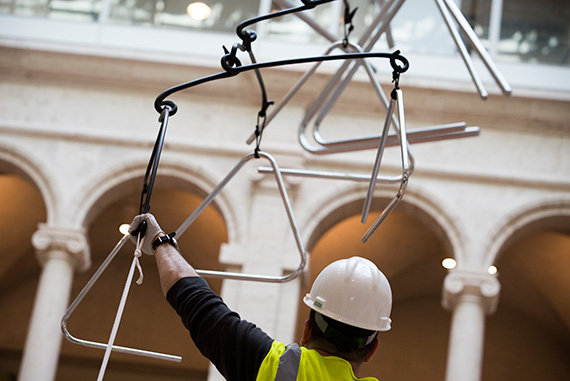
(76, 10)
(79, 10)
(419, 27)
(292, 28)
(536, 31)
(220, 16)
(478, 12)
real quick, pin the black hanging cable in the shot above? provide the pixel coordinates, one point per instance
(232, 66)
(348, 25)
(234, 70)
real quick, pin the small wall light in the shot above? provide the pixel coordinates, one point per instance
(449, 263)
(124, 229)
(198, 11)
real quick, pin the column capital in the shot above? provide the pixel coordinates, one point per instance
(72, 244)
(459, 284)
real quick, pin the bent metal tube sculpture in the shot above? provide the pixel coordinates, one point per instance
(205, 273)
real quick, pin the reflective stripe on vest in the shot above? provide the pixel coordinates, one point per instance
(289, 364)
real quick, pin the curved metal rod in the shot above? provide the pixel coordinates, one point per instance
(338, 75)
(418, 135)
(336, 94)
(81, 296)
(291, 93)
(385, 16)
(286, 203)
(406, 169)
(249, 36)
(228, 61)
(205, 273)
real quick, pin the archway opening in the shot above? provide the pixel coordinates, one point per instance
(408, 248)
(148, 321)
(21, 209)
(528, 338)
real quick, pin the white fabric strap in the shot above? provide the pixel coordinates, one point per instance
(118, 316)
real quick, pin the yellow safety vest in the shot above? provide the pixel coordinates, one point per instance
(294, 363)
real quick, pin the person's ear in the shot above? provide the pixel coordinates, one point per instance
(372, 350)
(306, 333)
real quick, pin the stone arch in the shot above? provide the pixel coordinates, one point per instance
(12, 161)
(162, 330)
(529, 331)
(27, 199)
(544, 214)
(426, 207)
(412, 267)
(126, 179)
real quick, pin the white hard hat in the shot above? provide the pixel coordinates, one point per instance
(353, 291)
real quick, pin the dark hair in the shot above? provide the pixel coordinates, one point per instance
(340, 339)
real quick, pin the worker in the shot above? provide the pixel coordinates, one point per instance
(350, 303)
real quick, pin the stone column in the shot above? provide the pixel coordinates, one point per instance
(470, 297)
(59, 251)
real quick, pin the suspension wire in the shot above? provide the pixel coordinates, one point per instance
(348, 25)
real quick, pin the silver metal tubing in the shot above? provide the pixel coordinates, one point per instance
(406, 170)
(79, 298)
(389, 208)
(308, 20)
(331, 175)
(385, 16)
(403, 133)
(290, 216)
(474, 40)
(333, 83)
(383, 99)
(419, 135)
(334, 89)
(377, 162)
(462, 49)
(389, 38)
(300, 83)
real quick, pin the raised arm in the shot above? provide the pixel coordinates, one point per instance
(171, 264)
(235, 346)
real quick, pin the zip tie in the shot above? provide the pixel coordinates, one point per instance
(119, 315)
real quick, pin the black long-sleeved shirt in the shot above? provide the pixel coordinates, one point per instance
(235, 346)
